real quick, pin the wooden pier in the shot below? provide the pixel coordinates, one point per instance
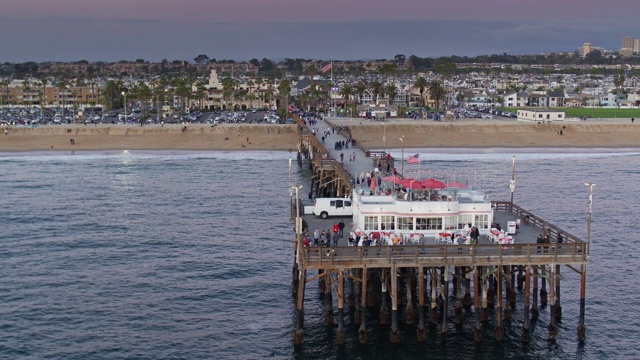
(477, 277)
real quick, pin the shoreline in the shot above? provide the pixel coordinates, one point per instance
(470, 135)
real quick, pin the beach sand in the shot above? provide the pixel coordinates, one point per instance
(480, 133)
(149, 137)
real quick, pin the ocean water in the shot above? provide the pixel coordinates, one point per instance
(188, 255)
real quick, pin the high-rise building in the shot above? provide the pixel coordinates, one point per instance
(586, 48)
(636, 45)
(627, 42)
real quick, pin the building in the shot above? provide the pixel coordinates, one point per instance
(541, 116)
(636, 45)
(627, 42)
(586, 49)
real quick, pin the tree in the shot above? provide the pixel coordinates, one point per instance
(400, 59)
(421, 83)
(201, 59)
(284, 88)
(460, 97)
(360, 89)
(436, 92)
(255, 62)
(391, 90)
(346, 91)
(376, 89)
(228, 87)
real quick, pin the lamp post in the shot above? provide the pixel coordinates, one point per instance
(402, 159)
(492, 91)
(512, 183)
(384, 138)
(590, 185)
(298, 224)
(124, 94)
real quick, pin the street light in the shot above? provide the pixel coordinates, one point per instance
(590, 185)
(298, 223)
(124, 94)
(492, 91)
(402, 159)
(384, 138)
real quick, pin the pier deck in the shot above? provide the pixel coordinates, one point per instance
(383, 273)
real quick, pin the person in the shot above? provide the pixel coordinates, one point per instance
(560, 238)
(323, 239)
(335, 227)
(546, 240)
(539, 240)
(341, 157)
(316, 236)
(335, 239)
(341, 229)
(305, 241)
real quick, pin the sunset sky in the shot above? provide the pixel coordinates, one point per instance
(67, 30)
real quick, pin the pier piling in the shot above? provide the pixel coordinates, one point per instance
(421, 333)
(394, 334)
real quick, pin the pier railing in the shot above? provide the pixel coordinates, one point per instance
(442, 255)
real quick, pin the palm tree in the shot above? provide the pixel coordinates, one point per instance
(376, 89)
(436, 92)
(228, 86)
(360, 89)
(284, 88)
(421, 83)
(346, 91)
(4, 84)
(391, 90)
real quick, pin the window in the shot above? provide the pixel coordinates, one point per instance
(347, 203)
(332, 203)
(429, 223)
(464, 220)
(371, 223)
(405, 223)
(387, 222)
(450, 222)
(482, 221)
(339, 203)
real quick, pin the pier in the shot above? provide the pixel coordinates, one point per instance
(480, 279)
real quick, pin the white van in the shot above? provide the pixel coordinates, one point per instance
(325, 207)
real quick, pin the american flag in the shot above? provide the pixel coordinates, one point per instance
(326, 68)
(415, 159)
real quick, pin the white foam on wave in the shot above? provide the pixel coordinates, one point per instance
(520, 154)
(82, 156)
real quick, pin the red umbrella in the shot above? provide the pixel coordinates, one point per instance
(432, 184)
(392, 179)
(411, 184)
(457, 185)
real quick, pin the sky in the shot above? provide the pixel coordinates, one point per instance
(98, 30)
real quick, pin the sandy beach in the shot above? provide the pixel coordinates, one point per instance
(485, 133)
(149, 137)
(475, 133)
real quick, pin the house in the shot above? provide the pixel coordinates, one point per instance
(541, 116)
(556, 98)
(378, 112)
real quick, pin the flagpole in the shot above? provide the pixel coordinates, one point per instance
(331, 103)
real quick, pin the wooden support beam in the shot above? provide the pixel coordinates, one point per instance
(527, 293)
(362, 332)
(558, 312)
(499, 331)
(299, 332)
(445, 298)
(477, 331)
(582, 330)
(394, 334)
(340, 335)
(422, 336)
(553, 329)
(534, 304)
